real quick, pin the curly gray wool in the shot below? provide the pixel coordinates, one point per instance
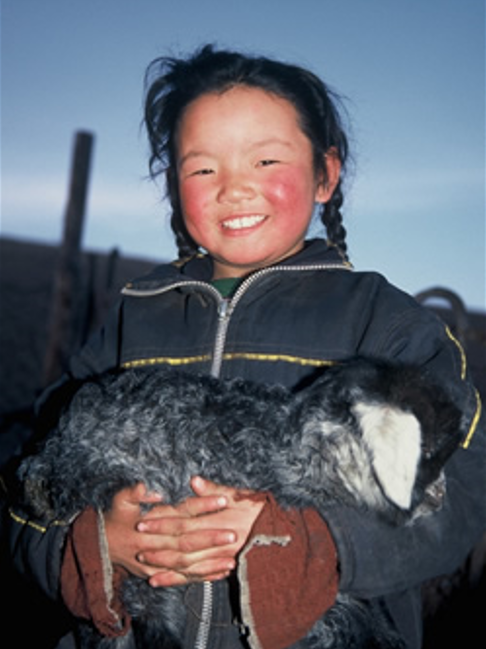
(367, 434)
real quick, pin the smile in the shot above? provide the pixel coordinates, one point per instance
(242, 222)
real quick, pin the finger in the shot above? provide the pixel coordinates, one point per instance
(141, 494)
(136, 495)
(203, 487)
(190, 508)
(177, 579)
(203, 505)
(203, 570)
(216, 525)
(206, 488)
(190, 543)
(209, 572)
(198, 563)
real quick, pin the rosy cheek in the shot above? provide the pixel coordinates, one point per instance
(287, 194)
(193, 199)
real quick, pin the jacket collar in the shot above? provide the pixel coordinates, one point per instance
(200, 267)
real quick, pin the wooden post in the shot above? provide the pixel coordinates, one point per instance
(68, 272)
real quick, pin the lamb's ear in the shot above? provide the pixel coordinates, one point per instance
(393, 438)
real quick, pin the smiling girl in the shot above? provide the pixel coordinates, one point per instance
(247, 182)
(252, 149)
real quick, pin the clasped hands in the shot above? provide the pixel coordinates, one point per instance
(198, 540)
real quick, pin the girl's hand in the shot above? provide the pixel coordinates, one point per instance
(195, 541)
(124, 524)
(193, 554)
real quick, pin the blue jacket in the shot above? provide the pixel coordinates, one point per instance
(284, 325)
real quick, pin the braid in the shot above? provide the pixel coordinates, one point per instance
(186, 247)
(333, 221)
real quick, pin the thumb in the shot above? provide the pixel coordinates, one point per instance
(138, 494)
(203, 487)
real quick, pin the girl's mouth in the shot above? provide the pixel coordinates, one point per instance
(243, 222)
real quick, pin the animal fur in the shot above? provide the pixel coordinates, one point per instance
(366, 434)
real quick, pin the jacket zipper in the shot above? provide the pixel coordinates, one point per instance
(206, 615)
(226, 307)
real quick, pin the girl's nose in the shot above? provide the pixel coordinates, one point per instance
(235, 187)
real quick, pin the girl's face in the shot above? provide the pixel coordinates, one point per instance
(247, 183)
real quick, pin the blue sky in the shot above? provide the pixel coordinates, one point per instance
(413, 73)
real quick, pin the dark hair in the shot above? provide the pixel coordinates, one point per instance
(172, 84)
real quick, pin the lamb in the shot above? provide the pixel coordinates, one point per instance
(366, 434)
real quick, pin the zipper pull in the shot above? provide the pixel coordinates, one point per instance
(219, 342)
(223, 308)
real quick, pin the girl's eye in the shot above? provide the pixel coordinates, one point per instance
(202, 172)
(267, 162)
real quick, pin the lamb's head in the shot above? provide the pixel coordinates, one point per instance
(383, 433)
(410, 428)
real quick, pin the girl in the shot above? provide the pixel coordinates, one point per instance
(249, 148)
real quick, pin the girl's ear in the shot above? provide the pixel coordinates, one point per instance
(328, 184)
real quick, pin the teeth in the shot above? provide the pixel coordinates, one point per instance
(243, 222)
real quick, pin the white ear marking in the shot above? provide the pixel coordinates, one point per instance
(394, 439)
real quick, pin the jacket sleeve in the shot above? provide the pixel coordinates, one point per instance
(35, 547)
(376, 558)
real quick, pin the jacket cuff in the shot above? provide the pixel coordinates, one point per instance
(288, 575)
(90, 586)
